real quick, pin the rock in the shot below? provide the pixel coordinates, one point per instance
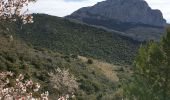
(133, 11)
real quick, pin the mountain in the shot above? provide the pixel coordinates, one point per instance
(133, 17)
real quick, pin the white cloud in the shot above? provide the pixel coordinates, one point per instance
(59, 7)
(65, 7)
(162, 5)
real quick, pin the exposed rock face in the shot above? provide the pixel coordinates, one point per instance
(135, 11)
(133, 18)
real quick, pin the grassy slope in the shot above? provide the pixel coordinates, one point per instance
(61, 35)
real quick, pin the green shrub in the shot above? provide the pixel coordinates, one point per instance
(90, 61)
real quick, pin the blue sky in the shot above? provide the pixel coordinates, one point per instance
(65, 7)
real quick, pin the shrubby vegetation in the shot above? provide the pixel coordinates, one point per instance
(36, 64)
(31, 50)
(61, 35)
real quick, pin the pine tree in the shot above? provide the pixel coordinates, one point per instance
(151, 78)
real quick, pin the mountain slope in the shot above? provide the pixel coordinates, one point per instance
(39, 48)
(67, 37)
(133, 17)
(18, 57)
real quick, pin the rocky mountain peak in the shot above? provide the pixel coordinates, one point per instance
(134, 11)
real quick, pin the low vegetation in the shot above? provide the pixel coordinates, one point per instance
(36, 64)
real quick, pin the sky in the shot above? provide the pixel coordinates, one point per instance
(65, 7)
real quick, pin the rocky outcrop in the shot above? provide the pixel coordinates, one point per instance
(133, 11)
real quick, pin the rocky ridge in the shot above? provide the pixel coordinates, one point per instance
(133, 11)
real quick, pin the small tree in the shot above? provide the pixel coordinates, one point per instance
(151, 78)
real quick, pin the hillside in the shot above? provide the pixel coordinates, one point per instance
(96, 80)
(38, 49)
(61, 35)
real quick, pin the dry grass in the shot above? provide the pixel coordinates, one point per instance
(106, 68)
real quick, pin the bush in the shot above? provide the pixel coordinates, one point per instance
(90, 61)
